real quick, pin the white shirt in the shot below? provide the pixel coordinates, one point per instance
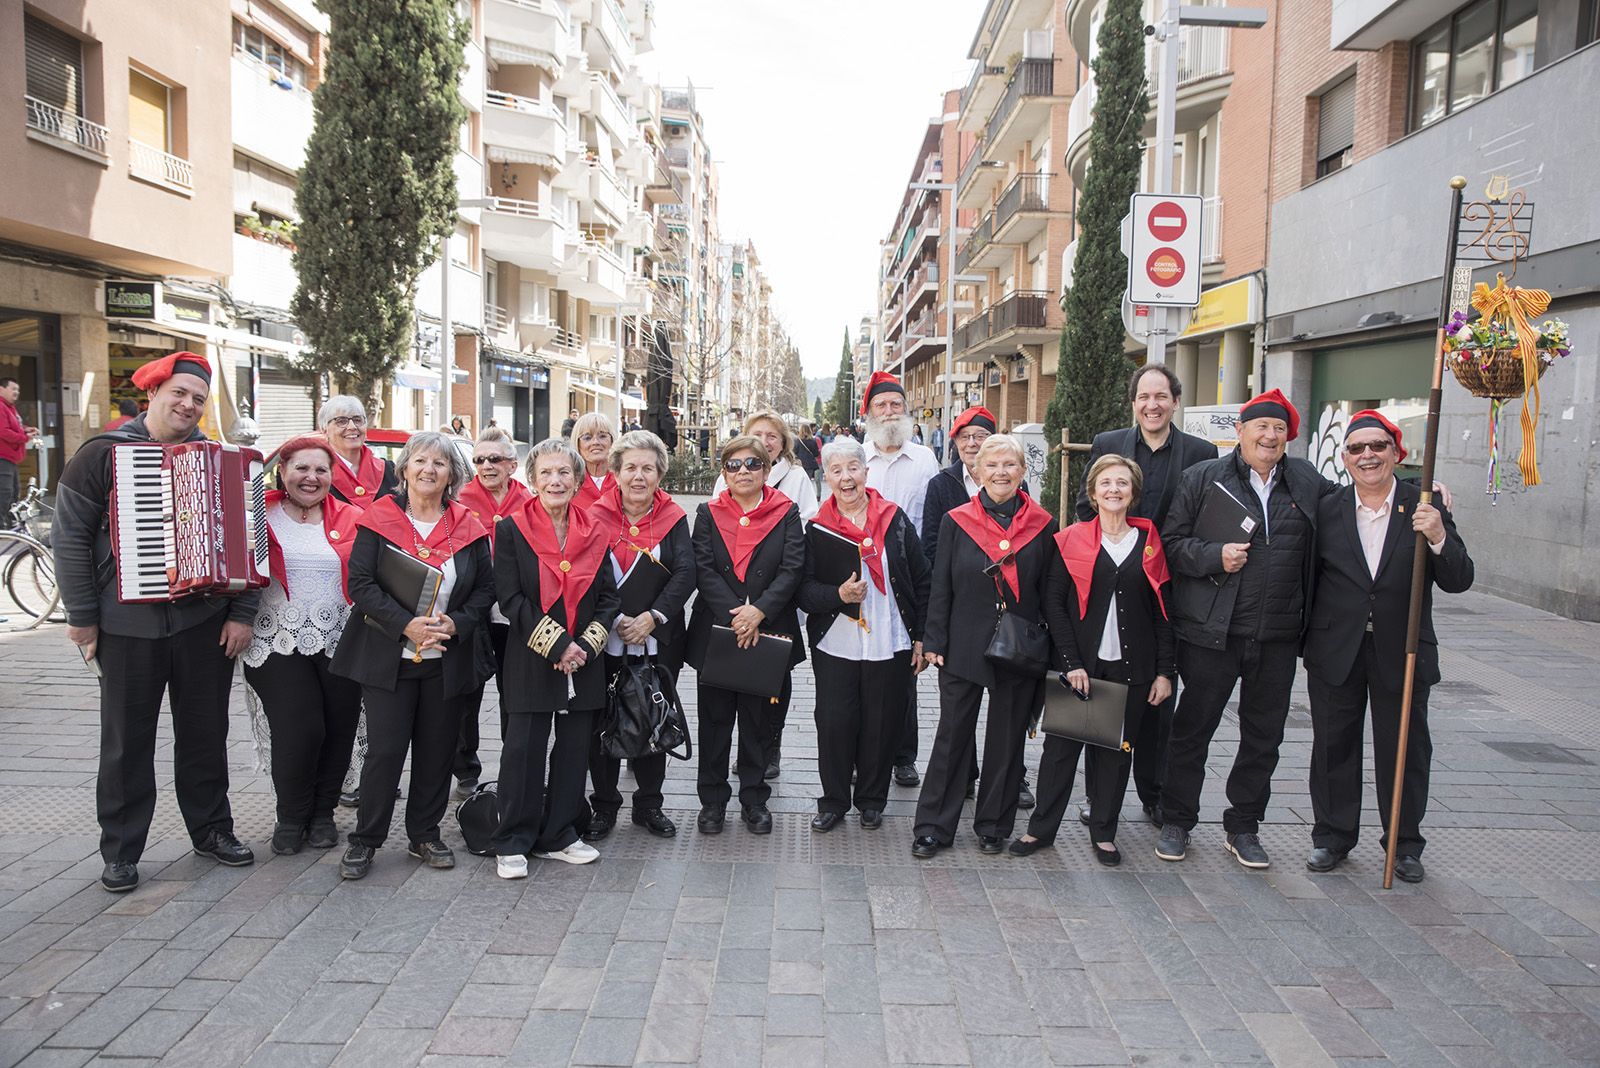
(313, 621)
(1111, 634)
(613, 642)
(885, 633)
(790, 480)
(1263, 488)
(903, 476)
(446, 586)
(1371, 526)
(966, 480)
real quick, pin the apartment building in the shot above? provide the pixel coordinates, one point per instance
(117, 176)
(1014, 110)
(689, 299)
(1379, 103)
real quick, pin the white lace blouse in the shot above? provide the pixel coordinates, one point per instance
(312, 622)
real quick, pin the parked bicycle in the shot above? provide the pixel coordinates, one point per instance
(27, 567)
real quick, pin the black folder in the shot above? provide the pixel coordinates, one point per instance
(409, 581)
(1096, 720)
(642, 585)
(834, 558)
(759, 670)
(1223, 518)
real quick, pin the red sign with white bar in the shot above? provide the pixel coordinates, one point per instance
(1165, 250)
(1167, 221)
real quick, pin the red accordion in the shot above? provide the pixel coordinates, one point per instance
(187, 519)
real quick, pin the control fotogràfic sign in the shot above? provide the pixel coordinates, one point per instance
(1164, 252)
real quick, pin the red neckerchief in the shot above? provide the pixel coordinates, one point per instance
(565, 572)
(454, 531)
(480, 502)
(999, 542)
(880, 513)
(628, 540)
(588, 493)
(742, 531)
(1080, 547)
(338, 526)
(358, 487)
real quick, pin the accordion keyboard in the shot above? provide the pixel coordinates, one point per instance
(144, 523)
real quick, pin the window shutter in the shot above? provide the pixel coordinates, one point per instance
(1336, 119)
(55, 65)
(147, 111)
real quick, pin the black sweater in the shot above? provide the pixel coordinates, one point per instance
(771, 582)
(1142, 628)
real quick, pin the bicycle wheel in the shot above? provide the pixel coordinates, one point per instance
(30, 581)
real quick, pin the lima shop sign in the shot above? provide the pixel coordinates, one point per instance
(132, 300)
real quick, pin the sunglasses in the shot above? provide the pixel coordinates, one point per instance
(749, 463)
(1357, 448)
(481, 460)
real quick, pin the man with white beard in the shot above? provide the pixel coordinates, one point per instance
(900, 469)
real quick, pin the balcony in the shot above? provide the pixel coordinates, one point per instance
(526, 125)
(67, 131)
(594, 273)
(530, 235)
(665, 186)
(1019, 318)
(152, 165)
(469, 183)
(678, 159)
(496, 322)
(263, 273)
(269, 122)
(979, 95)
(1211, 231)
(1024, 109)
(979, 176)
(604, 201)
(976, 242)
(614, 39)
(1023, 211)
(540, 26)
(1080, 123)
(609, 109)
(1202, 54)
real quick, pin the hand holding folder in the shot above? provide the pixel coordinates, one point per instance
(834, 560)
(1223, 518)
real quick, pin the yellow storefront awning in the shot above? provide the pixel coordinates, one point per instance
(1231, 306)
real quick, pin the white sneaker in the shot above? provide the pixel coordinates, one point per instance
(579, 852)
(511, 867)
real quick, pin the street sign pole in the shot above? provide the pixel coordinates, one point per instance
(1166, 138)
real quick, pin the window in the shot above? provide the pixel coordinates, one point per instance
(148, 111)
(1485, 46)
(54, 60)
(1336, 127)
(265, 50)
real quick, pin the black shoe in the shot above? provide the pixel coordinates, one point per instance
(990, 843)
(710, 820)
(1409, 869)
(757, 818)
(1151, 813)
(774, 768)
(656, 822)
(601, 824)
(350, 799)
(1022, 848)
(906, 775)
(1109, 857)
(1324, 859)
(120, 876)
(1083, 815)
(1025, 797)
(925, 847)
(322, 834)
(222, 847)
(871, 819)
(1173, 843)
(356, 862)
(433, 854)
(286, 839)
(823, 822)
(1246, 848)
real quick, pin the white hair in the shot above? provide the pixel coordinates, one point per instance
(844, 446)
(444, 445)
(553, 447)
(337, 405)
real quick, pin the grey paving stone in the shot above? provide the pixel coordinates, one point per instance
(328, 1013)
(390, 1047)
(608, 1042)
(793, 1051)
(547, 1038)
(233, 959)
(475, 1037)
(623, 999)
(198, 1048)
(738, 999)
(109, 967)
(672, 1035)
(287, 1055)
(154, 1033)
(743, 965)
(1084, 1046)
(107, 1018)
(200, 994)
(731, 1042)
(48, 1058)
(924, 1035)
(694, 941)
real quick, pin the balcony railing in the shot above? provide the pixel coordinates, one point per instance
(976, 240)
(1080, 116)
(1211, 230)
(526, 209)
(1202, 53)
(495, 319)
(147, 161)
(973, 331)
(527, 105)
(1033, 77)
(678, 157)
(49, 119)
(1028, 192)
(979, 71)
(1025, 309)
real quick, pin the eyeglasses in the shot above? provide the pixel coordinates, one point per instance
(1356, 448)
(349, 420)
(479, 461)
(749, 463)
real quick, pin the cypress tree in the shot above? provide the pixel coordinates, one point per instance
(378, 189)
(839, 409)
(1092, 373)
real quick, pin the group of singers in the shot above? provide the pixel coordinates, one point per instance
(530, 595)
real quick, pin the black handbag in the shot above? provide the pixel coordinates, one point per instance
(643, 715)
(479, 818)
(1020, 645)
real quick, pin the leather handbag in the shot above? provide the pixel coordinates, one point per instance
(1020, 645)
(479, 817)
(643, 715)
(1095, 718)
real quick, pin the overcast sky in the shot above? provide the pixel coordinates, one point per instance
(814, 110)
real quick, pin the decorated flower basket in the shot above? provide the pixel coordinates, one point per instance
(1491, 373)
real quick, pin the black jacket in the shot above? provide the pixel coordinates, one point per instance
(1146, 636)
(961, 602)
(370, 654)
(1204, 595)
(1347, 595)
(86, 571)
(946, 490)
(530, 682)
(908, 572)
(677, 556)
(771, 582)
(1187, 450)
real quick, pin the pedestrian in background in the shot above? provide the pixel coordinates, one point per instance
(14, 437)
(127, 411)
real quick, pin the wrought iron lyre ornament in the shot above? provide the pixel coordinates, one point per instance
(1498, 228)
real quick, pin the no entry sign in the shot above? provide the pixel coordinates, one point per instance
(1164, 252)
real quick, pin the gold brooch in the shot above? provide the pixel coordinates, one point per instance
(866, 543)
(744, 521)
(361, 491)
(633, 531)
(566, 565)
(334, 534)
(1005, 546)
(424, 553)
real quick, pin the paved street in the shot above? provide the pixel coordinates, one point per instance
(798, 949)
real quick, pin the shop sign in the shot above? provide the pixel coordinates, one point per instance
(186, 310)
(132, 300)
(1225, 307)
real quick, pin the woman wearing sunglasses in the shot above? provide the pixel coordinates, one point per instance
(490, 497)
(994, 551)
(749, 550)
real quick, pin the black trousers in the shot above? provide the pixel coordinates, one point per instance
(1105, 771)
(417, 717)
(719, 712)
(191, 669)
(777, 719)
(857, 714)
(1150, 748)
(906, 732)
(468, 767)
(1338, 720)
(1209, 675)
(1012, 704)
(541, 806)
(312, 713)
(10, 490)
(649, 773)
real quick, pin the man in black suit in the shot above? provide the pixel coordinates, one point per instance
(1163, 453)
(1355, 645)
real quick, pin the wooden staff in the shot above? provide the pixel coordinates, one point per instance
(1420, 554)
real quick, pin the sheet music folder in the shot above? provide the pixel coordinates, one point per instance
(833, 560)
(411, 582)
(1223, 518)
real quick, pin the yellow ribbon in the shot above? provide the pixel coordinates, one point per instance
(1519, 306)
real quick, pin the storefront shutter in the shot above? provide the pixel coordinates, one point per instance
(1336, 119)
(283, 408)
(54, 60)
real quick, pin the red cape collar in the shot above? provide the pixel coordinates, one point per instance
(627, 539)
(880, 513)
(456, 529)
(338, 526)
(742, 531)
(358, 487)
(565, 572)
(588, 493)
(482, 504)
(1079, 545)
(1001, 544)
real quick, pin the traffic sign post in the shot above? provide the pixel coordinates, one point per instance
(1164, 250)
